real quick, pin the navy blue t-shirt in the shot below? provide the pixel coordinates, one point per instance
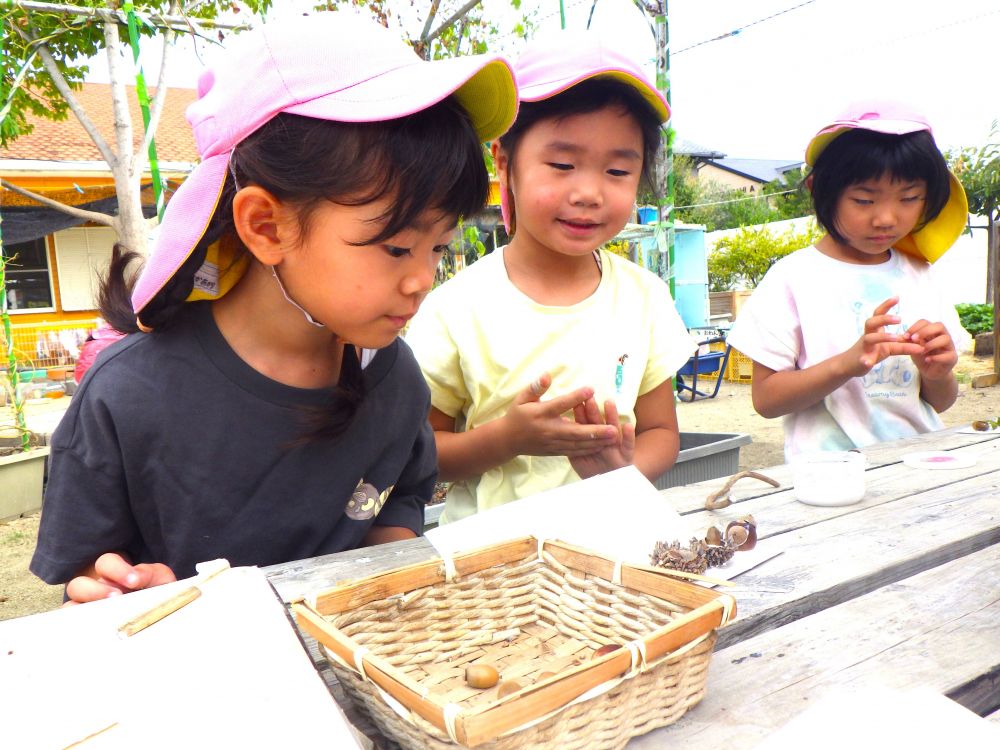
(174, 450)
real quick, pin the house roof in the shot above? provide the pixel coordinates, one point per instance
(66, 140)
(761, 170)
(685, 147)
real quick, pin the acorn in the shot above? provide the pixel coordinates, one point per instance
(742, 534)
(481, 676)
(981, 426)
(508, 687)
(605, 650)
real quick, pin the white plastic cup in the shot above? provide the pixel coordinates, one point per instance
(829, 477)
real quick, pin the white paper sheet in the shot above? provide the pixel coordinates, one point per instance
(880, 717)
(619, 514)
(226, 670)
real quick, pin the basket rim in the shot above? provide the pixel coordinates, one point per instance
(708, 610)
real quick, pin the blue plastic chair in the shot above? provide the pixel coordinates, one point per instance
(711, 364)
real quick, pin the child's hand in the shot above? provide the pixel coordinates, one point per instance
(537, 428)
(112, 575)
(876, 344)
(938, 357)
(607, 457)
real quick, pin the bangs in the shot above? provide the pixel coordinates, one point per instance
(428, 161)
(431, 161)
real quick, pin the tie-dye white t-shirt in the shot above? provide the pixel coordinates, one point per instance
(810, 307)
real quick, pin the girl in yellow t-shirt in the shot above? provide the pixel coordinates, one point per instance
(551, 359)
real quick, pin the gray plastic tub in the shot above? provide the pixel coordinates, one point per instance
(704, 455)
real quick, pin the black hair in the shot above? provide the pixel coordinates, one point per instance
(588, 96)
(430, 160)
(860, 155)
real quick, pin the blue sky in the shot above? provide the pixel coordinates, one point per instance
(763, 92)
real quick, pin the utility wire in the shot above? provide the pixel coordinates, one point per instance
(738, 200)
(734, 32)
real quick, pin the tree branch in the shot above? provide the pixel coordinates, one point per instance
(451, 21)
(175, 23)
(156, 106)
(67, 94)
(119, 100)
(430, 18)
(80, 213)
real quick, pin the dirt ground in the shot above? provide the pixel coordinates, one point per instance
(730, 411)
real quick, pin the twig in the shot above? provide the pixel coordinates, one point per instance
(721, 499)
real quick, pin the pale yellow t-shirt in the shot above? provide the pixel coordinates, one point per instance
(480, 341)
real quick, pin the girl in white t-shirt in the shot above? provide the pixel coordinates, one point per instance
(551, 359)
(852, 341)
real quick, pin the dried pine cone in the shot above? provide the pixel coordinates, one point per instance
(690, 560)
(720, 554)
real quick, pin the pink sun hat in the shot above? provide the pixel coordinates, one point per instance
(895, 118)
(329, 66)
(551, 65)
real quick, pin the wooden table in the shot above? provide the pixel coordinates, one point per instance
(901, 589)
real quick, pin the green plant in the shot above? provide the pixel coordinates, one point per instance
(975, 318)
(744, 257)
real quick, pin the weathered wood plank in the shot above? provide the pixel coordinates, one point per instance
(296, 579)
(936, 629)
(828, 563)
(691, 498)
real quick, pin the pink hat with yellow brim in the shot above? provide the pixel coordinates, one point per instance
(329, 66)
(936, 236)
(552, 65)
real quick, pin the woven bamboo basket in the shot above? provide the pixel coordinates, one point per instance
(399, 642)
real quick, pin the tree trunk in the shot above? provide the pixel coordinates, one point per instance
(130, 223)
(993, 250)
(991, 257)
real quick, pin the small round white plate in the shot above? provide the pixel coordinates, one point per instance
(938, 460)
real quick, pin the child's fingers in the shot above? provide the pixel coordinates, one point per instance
(562, 404)
(628, 441)
(115, 570)
(85, 589)
(938, 345)
(876, 322)
(885, 307)
(534, 390)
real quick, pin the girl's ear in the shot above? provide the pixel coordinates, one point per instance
(260, 220)
(501, 162)
(809, 183)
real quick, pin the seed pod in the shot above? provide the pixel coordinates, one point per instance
(481, 676)
(508, 687)
(713, 536)
(605, 650)
(742, 534)
(981, 426)
(545, 676)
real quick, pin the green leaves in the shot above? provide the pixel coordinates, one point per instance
(743, 258)
(975, 318)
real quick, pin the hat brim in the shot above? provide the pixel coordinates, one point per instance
(188, 215)
(547, 89)
(483, 85)
(891, 127)
(934, 239)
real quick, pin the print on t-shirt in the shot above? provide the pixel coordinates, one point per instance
(366, 502)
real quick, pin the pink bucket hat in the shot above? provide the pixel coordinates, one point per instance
(329, 66)
(552, 65)
(893, 118)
